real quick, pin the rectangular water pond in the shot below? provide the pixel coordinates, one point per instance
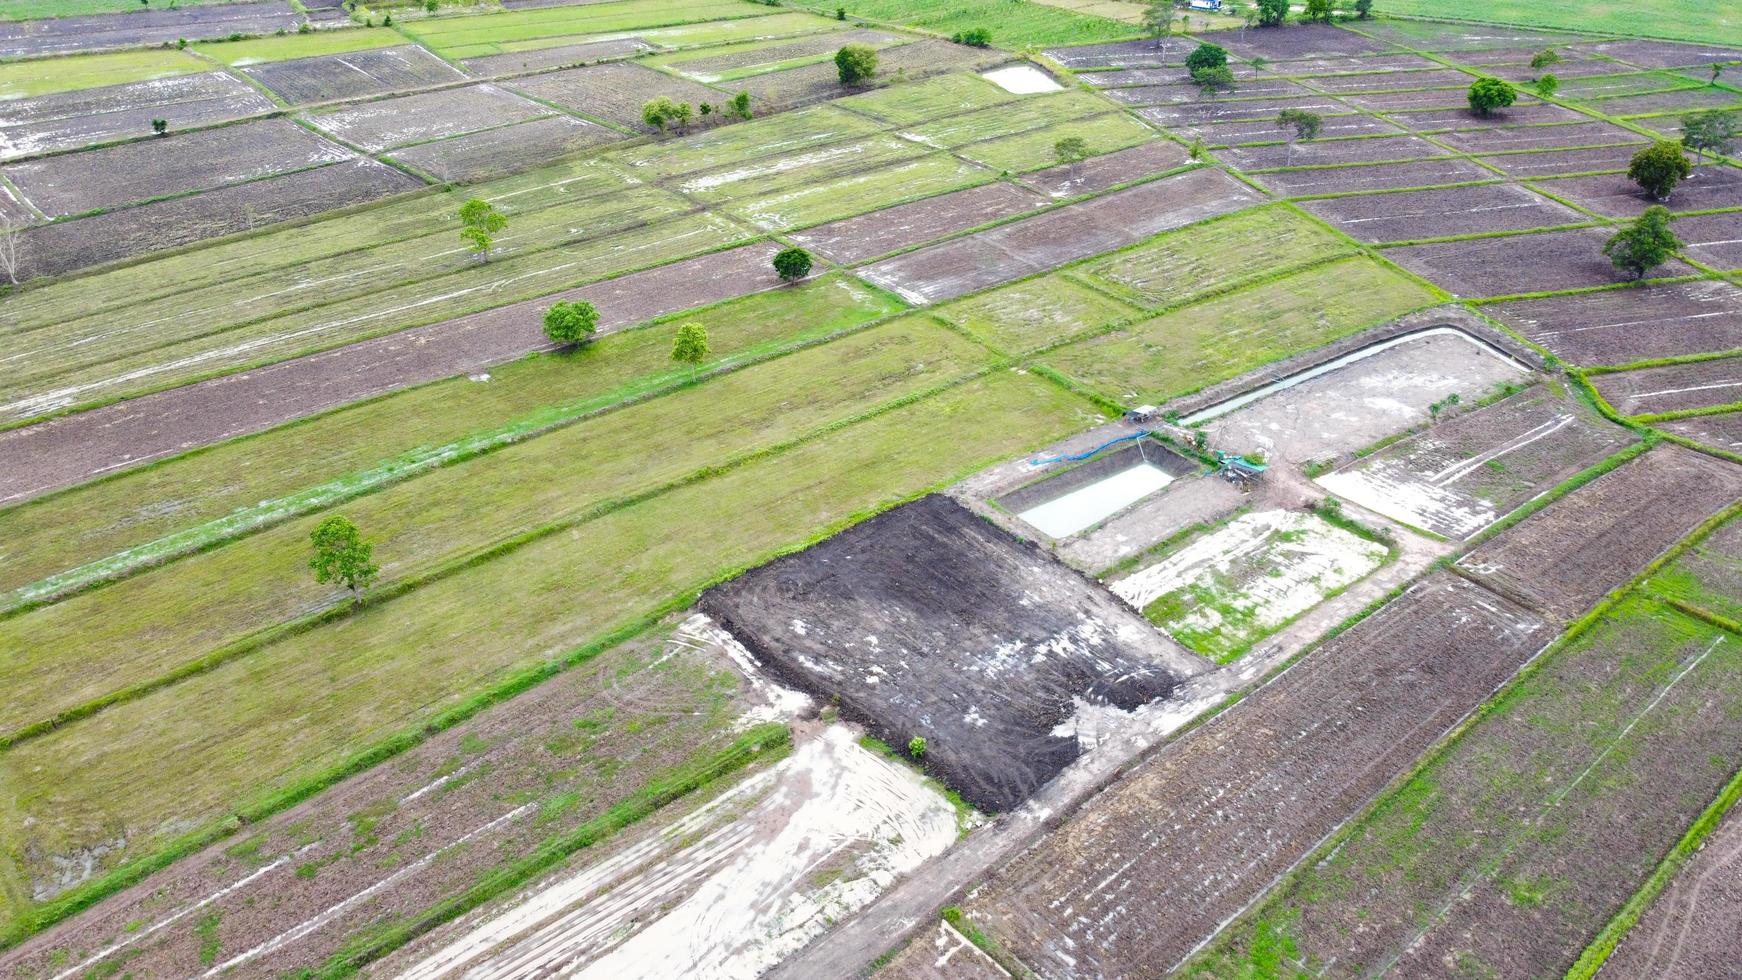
(1085, 495)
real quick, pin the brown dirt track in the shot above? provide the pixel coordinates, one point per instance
(1564, 558)
(75, 448)
(1689, 932)
(1429, 214)
(1673, 387)
(1622, 325)
(1150, 868)
(881, 232)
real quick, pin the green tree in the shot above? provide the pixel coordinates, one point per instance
(1546, 85)
(1305, 124)
(570, 323)
(1214, 79)
(479, 223)
(341, 555)
(741, 105)
(1658, 168)
(1071, 151)
(1206, 56)
(1317, 10)
(974, 37)
(160, 126)
(1364, 9)
(691, 346)
(1271, 13)
(1643, 245)
(1713, 132)
(1544, 58)
(1489, 94)
(856, 64)
(658, 111)
(1158, 19)
(792, 264)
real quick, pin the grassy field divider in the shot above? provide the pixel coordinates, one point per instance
(253, 811)
(1688, 413)
(269, 513)
(1605, 465)
(279, 632)
(1650, 362)
(763, 743)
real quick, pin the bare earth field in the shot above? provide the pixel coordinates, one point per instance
(1266, 131)
(1324, 153)
(904, 225)
(1151, 867)
(561, 56)
(1461, 475)
(928, 621)
(1377, 177)
(1723, 431)
(1555, 163)
(1385, 81)
(1304, 41)
(1514, 264)
(1665, 54)
(1714, 239)
(1104, 172)
(1531, 115)
(69, 120)
(1623, 325)
(505, 150)
(1494, 139)
(1049, 240)
(1564, 558)
(1690, 930)
(1619, 197)
(355, 74)
(67, 450)
(137, 28)
(103, 178)
(1192, 116)
(66, 246)
(615, 92)
(1673, 387)
(1121, 54)
(1431, 214)
(395, 122)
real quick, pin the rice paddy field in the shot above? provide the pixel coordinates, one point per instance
(1408, 521)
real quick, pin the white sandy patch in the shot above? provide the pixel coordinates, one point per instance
(708, 182)
(729, 890)
(1319, 560)
(1022, 80)
(773, 702)
(1087, 506)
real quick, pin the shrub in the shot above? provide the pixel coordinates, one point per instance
(916, 747)
(1317, 10)
(1489, 94)
(741, 105)
(1272, 13)
(1546, 85)
(856, 64)
(1364, 9)
(1544, 58)
(975, 37)
(160, 126)
(1658, 168)
(571, 323)
(792, 264)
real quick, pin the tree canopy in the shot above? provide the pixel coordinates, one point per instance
(1658, 168)
(1206, 56)
(341, 555)
(1489, 94)
(792, 263)
(1272, 13)
(1643, 245)
(570, 323)
(856, 64)
(691, 345)
(1714, 132)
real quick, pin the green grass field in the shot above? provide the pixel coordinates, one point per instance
(1686, 20)
(1013, 23)
(522, 30)
(32, 9)
(44, 76)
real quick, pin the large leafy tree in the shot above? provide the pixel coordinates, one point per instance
(1658, 168)
(1645, 244)
(1489, 94)
(341, 555)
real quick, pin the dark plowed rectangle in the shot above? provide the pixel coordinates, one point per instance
(891, 229)
(1623, 325)
(1474, 138)
(505, 150)
(156, 25)
(1321, 152)
(354, 74)
(1552, 260)
(1441, 213)
(1556, 162)
(1673, 387)
(68, 120)
(1713, 186)
(401, 121)
(1383, 176)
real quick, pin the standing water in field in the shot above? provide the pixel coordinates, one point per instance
(1087, 506)
(1022, 79)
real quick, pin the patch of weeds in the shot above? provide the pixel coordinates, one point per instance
(556, 806)
(472, 743)
(309, 869)
(248, 850)
(364, 821)
(207, 933)
(409, 834)
(1312, 469)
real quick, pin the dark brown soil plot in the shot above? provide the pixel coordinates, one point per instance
(1174, 93)
(1123, 54)
(1673, 387)
(74, 448)
(1153, 866)
(615, 92)
(1172, 74)
(1720, 431)
(59, 35)
(354, 74)
(1617, 196)
(928, 621)
(1624, 325)
(505, 150)
(400, 837)
(1316, 68)
(1556, 162)
(1320, 153)
(1431, 120)
(815, 83)
(1715, 239)
(1492, 139)
(1097, 174)
(68, 120)
(68, 245)
(1689, 932)
(1564, 558)
(1519, 70)
(1300, 41)
(1665, 54)
(1542, 262)
(563, 56)
(389, 123)
(1390, 81)
(13, 208)
(1266, 131)
(1384, 176)
(1206, 113)
(881, 232)
(78, 182)
(1047, 241)
(1685, 100)
(1452, 211)
(1436, 98)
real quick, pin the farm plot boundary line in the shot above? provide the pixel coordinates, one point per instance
(515, 682)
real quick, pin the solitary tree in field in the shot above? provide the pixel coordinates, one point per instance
(1544, 58)
(1713, 132)
(1489, 94)
(1070, 152)
(1317, 11)
(1158, 20)
(1271, 13)
(792, 264)
(571, 323)
(740, 105)
(479, 223)
(1206, 56)
(691, 346)
(1305, 125)
(856, 64)
(341, 555)
(1643, 245)
(160, 126)
(1547, 84)
(1364, 9)
(1658, 168)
